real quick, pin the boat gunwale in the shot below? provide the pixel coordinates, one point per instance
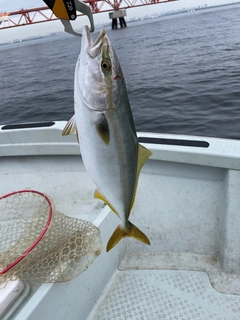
(198, 150)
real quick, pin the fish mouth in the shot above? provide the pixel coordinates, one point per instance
(93, 48)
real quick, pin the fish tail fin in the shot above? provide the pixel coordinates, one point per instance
(130, 231)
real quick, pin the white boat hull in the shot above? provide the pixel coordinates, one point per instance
(187, 203)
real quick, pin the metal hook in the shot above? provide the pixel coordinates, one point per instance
(83, 8)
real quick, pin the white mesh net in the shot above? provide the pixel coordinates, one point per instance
(38, 243)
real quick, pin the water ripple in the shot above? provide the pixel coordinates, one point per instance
(182, 73)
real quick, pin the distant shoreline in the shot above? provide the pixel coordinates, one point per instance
(176, 12)
(194, 9)
(133, 20)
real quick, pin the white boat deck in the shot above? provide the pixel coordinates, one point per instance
(63, 178)
(187, 203)
(162, 294)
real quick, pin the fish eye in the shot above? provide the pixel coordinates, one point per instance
(105, 66)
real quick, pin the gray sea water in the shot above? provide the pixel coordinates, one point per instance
(182, 74)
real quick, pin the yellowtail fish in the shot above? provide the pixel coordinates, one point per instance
(104, 124)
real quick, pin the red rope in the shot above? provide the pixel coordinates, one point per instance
(42, 233)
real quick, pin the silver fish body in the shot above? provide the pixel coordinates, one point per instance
(106, 131)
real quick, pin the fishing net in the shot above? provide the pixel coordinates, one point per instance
(40, 244)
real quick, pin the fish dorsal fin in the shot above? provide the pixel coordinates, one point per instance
(143, 155)
(99, 196)
(70, 127)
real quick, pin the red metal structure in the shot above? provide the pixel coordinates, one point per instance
(44, 14)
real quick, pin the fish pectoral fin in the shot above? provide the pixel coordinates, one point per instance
(98, 195)
(70, 127)
(130, 231)
(143, 155)
(102, 127)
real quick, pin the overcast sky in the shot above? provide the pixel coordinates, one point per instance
(22, 32)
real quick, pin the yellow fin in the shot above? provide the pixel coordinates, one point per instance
(99, 196)
(143, 155)
(130, 231)
(70, 127)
